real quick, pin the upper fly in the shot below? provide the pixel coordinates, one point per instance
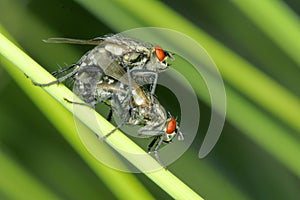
(117, 55)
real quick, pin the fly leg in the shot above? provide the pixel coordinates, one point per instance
(79, 103)
(59, 80)
(92, 104)
(156, 152)
(146, 132)
(112, 131)
(156, 146)
(122, 112)
(58, 72)
(158, 139)
(109, 116)
(130, 92)
(152, 144)
(124, 122)
(146, 78)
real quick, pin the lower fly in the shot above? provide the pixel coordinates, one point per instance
(155, 122)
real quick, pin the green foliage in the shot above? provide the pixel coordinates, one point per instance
(255, 45)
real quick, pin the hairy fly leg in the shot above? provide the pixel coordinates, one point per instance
(58, 72)
(158, 140)
(118, 101)
(142, 77)
(61, 79)
(124, 120)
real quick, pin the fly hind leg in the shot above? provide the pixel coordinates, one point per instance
(59, 80)
(146, 77)
(58, 72)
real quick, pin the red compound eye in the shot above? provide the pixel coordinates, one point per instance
(160, 53)
(171, 126)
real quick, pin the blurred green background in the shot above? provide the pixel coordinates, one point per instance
(254, 44)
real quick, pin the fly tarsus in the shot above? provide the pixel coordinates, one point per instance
(59, 80)
(58, 72)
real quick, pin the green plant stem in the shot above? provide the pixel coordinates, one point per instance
(165, 179)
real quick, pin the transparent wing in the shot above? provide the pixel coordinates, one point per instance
(117, 72)
(95, 41)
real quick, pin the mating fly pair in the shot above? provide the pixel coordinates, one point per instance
(113, 72)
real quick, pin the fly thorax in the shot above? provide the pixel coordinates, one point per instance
(101, 58)
(115, 49)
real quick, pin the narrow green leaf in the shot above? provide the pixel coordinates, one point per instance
(277, 21)
(17, 183)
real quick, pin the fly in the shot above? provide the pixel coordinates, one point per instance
(117, 55)
(113, 71)
(156, 124)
